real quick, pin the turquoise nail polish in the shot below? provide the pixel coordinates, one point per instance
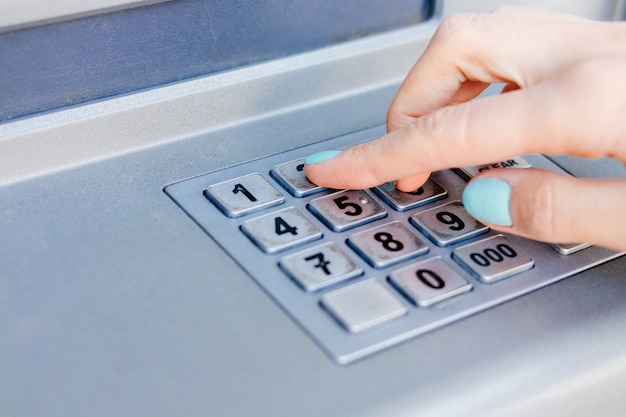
(316, 158)
(488, 200)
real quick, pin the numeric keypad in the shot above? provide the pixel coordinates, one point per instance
(362, 270)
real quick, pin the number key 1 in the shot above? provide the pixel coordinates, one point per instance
(244, 195)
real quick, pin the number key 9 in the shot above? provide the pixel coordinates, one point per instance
(448, 224)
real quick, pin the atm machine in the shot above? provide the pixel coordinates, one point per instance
(162, 252)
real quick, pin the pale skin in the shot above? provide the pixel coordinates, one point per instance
(565, 93)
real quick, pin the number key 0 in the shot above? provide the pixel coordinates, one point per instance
(429, 282)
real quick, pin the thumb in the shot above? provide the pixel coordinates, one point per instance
(550, 207)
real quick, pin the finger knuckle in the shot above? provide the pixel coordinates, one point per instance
(455, 26)
(370, 169)
(451, 124)
(597, 78)
(541, 218)
(589, 103)
(430, 130)
(582, 77)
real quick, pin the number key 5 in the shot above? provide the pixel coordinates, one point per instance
(345, 210)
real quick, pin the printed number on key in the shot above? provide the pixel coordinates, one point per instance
(353, 209)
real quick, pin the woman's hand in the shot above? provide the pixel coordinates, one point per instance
(565, 93)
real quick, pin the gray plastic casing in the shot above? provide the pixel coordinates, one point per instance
(114, 302)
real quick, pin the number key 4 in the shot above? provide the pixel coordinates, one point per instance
(280, 230)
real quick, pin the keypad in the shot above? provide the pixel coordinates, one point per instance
(362, 270)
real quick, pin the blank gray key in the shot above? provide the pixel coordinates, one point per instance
(363, 305)
(569, 248)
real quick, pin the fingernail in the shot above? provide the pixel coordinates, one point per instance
(316, 158)
(488, 200)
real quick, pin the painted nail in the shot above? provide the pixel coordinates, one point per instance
(316, 158)
(488, 200)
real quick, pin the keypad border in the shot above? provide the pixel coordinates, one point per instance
(342, 346)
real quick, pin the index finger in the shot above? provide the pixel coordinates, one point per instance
(557, 117)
